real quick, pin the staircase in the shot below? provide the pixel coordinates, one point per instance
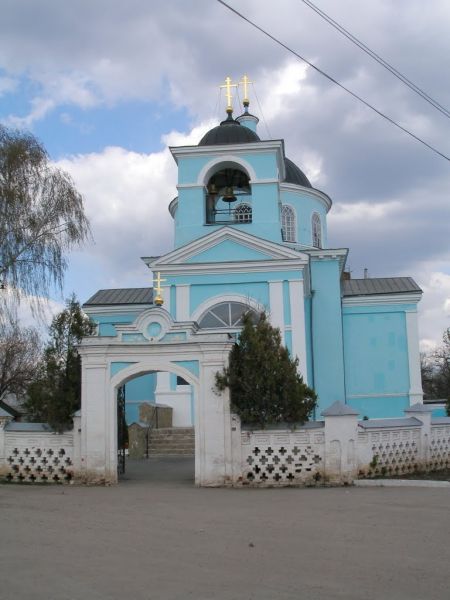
(171, 441)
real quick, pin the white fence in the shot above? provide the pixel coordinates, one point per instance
(341, 449)
(336, 450)
(33, 453)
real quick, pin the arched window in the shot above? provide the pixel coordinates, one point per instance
(288, 224)
(226, 314)
(316, 231)
(243, 213)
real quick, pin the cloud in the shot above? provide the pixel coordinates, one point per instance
(390, 193)
(7, 85)
(434, 309)
(23, 307)
(126, 200)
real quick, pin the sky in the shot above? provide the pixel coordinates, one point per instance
(108, 86)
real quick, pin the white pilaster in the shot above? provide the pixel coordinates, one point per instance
(166, 297)
(296, 298)
(183, 302)
(415, 378)
(162, 383)
(277, 306)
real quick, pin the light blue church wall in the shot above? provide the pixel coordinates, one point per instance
(138, 390)
(228, 250)
(376, 360)
(106, 323)
(305, 205)
(190, 220)
(263, 163)
(254, 291)
(327, 343)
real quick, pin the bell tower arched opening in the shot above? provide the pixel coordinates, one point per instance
(228, 195)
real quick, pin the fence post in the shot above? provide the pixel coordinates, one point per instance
(236, 449)
(341, 435)
(5, 418)
(77, 441)
(423, 414)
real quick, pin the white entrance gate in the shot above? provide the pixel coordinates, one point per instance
(154, 342)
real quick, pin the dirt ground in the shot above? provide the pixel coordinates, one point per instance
(155, 537)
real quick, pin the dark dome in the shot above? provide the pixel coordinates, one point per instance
(229, 132)
(295, 175)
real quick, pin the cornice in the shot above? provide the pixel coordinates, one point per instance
(229, 267)
(319, 254)
(398, 298)
(317, 194)
(115, 309)
(253, 147)
(173, 206)
(277, 251)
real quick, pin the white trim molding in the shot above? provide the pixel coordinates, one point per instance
(306, 191)
(183, 302)
(415, 378)
(181, 255)
(397, 298)
(297, 301)
(218, 299)
(225, 161)
(276, 314)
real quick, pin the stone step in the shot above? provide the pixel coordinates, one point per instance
(172, 441)
(173, 431)
(171, 452)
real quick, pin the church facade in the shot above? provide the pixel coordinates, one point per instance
(251, 235)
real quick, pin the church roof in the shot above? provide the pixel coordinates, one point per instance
(121, 296)
(295, 175)
(229, 132)
(379, 285)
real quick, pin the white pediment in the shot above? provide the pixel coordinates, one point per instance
(228, 245)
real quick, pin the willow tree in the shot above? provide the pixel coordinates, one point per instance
(41, 219)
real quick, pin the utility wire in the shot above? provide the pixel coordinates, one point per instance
(378, 58)
(381, 114)
(261, 110)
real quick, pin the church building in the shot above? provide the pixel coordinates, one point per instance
(250, 234)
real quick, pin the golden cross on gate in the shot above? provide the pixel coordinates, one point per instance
(245, 81)
(228, 85)
(158, 281)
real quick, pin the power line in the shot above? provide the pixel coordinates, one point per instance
(367, 104)
(261, 110)
(415, 88)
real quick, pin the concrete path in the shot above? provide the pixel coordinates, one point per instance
(156, 537)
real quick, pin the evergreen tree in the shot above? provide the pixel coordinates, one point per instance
(56, 394)
(265, 386)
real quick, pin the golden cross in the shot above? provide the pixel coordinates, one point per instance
(158, 281)
(228, 85)
(245, 81)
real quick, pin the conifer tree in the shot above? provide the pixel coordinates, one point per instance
(56, 394)
(265, 386)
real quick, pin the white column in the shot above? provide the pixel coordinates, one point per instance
(183, 302)
(415, 378)
(297, 300)
(3, 464)
(213, 461)
(277, 306)
(98, 425)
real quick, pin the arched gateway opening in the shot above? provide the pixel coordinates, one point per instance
(155, 343)
(156, 425)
